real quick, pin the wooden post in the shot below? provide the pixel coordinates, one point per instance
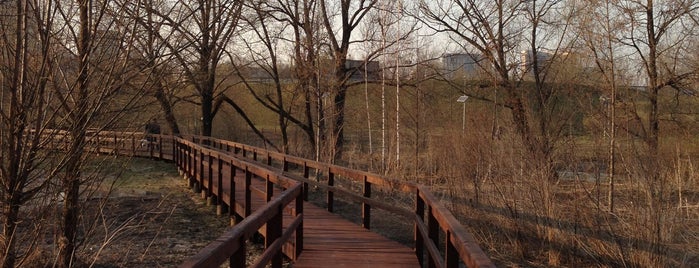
(269, 189)
(451, 256)
(306, 174)
(331, 194)
(238, 257)
(210, 181)
(196, 169)
(433, 232)
(274, 231)
(116, 145)
(366, 208)
(221, 207)
(299, 231)
(201, 172)
(285, 164)
(231, 202)
(160, 147)
(419, 240)
(248, 205)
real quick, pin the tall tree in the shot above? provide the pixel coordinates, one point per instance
(494, 31)
(351, 13)
(197, 33)
(657, 33)
(303, 18)
(25, 65)
(95, 68)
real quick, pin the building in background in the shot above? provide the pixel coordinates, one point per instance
(466, 65)
(363, 69)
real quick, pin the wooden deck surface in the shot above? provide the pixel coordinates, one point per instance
(329, 239)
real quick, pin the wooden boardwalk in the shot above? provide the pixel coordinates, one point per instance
(333, 241)
(264, 192)
(328, 238)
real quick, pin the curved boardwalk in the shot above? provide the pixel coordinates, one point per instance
(260, 193)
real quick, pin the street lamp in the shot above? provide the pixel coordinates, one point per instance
(463, 99)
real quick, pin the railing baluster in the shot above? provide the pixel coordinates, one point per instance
(239, 256)
(451, 256)
(366, 208)
(269, 188)
(200, 172)
(273, 232)
(221, 205)
(306, 174)
(210, 180)
(231, 196)
(433, 230)
(298, 243)
(331, 194)
(419, 239)
(248, 205)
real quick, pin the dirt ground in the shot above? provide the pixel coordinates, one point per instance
(152, 220)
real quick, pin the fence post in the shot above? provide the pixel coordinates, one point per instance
(419, 240)
(306, 174)
(331, 194)
(451, 256)
(210, 180)
(160, 147)
(210, 198)
(231, 195)
(433, 232)
(269, 189)
(248, 179)
(221, 207)
(238, 258)
(274, 231)
(299, 230)
(200, 173)
(366, 208)
(196, 170)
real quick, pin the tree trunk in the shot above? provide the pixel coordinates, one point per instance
(167, 109)
(79, 120)
(7, 242)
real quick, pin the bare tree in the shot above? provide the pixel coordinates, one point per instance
(197, 34)
(657, 31)
(495, 31)
(25, 65)
(95, 69)
(351, 14)
(303, 18)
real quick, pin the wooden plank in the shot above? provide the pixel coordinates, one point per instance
(330, 240)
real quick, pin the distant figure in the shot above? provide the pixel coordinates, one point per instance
(152, 128)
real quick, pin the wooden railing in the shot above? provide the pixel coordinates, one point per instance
(231, 245)
(223, 159)
(429, 217)
(207, 170)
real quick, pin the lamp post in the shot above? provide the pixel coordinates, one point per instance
(463, 99)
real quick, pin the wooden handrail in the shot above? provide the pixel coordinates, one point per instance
(232, 241)
(429, 215)
(460, 244)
